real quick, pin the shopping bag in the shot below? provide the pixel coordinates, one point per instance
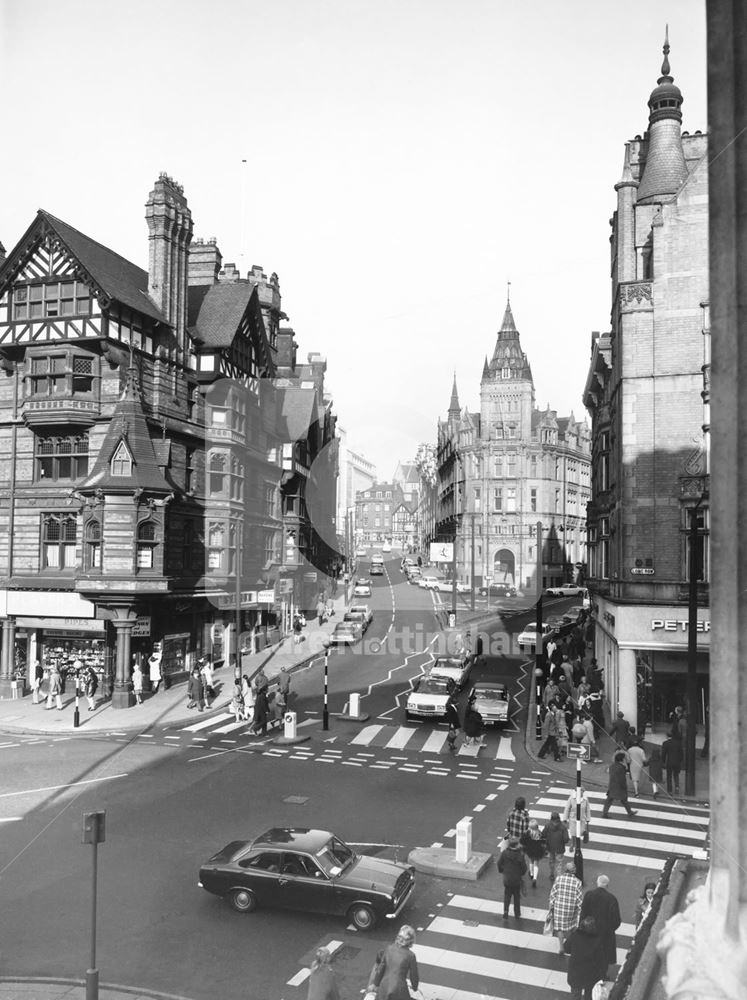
(548, 927)
(601, 990)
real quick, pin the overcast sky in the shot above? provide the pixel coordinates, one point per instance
(404, 160)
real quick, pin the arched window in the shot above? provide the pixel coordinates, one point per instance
(217, 473)
(93, 544)
(216, 545)
(146, 544)
(59, 533)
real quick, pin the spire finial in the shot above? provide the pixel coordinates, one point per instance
(665, 69)
(508, 293)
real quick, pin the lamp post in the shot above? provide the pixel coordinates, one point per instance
(325, 710)
(692, 652)
(539, 649)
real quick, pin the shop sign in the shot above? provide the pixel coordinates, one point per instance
(285, 586)
(442, 552)
(229, 600)
(266, 596)
(677, 625)
(60, 624)
(642, 570)
(141, 627)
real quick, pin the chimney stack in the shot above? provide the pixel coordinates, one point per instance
(170, 232)
(286, 357)
(204, 262)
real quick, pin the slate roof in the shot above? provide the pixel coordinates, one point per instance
(119, 278)
(128, 422)
(298, 411)
(214, 312)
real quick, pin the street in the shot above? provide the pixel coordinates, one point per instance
(175, 795)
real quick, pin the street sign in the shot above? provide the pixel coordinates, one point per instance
(442, 552)
(579, 750)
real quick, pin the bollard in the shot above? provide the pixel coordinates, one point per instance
(289, 731)
(464, 840)
(355, 704)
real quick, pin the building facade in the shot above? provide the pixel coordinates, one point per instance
(374, 509)
(155, 435)
(508, 468)
(648, 395)
(356, 473)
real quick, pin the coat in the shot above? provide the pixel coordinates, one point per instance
(569, 814)
(555, 836)
(323, 984)
(637, 757)
(603, 906)
(137, 680)
(586, 965)
(512, 865)
(565, 902)
(55, 682)
(550, 724)
(671, 754)
(534, 847)
(472, 723)
(618, 783)
(196, 688)
(399, 963)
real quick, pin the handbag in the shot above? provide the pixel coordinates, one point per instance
(377, 973)
(600, 990)
(548, 927)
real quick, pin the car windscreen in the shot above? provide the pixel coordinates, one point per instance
(432, 685)
(335, 856)
(448, 662)
(491, 694)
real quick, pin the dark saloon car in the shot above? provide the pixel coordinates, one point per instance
(498, 590)
(308, 870)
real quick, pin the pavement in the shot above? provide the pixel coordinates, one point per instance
(168, 706)
(70, 989)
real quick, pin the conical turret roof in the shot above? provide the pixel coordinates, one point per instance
(665, 168)
(454, 408)
(509, 361)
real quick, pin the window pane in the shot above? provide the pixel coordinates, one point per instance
(51, 291)
(68, 556)
(94, 556)
(145, 557)
(64, 467)
(83, 307)
(36, 310)
(52, 556)
(35, 293)
(51, 529)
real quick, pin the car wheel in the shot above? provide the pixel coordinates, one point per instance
(362, 916)
(243, 900)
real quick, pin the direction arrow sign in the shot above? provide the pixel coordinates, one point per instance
(579, 750)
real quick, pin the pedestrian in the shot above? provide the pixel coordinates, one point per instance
(196, 690)
(137, 683)
(237, 702)
(90, 686)
(620, 731)
(603, 906)
(322, 980)
(297, 630)
(37, 675)
(261, 709)
(278, 707)
(644, 903)
(675, 722)
(569, 815)
(637, 758)
(671, 758)
(550, 693)
(284, 683)
(555, 835)
(655, 770)
(585, 966)
(473, 725)
(550, 733)
(517, 821)
(394, 966)
(595, 708)
(562, 724)
(260, 682)
(321, 608)
(534, 848)
(550, 647)
(206, 669)
(247, 692)
(329, 608)
(512, 865)
(617, 787)
(565, 903)
(453, 722)
(154, 670)
(55, 688)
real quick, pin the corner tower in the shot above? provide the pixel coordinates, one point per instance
(506, 387)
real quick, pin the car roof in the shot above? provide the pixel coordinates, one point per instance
(296, 838)
(489, 686)
(456, 660)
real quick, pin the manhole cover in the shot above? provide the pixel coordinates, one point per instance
(296, 800)
(346, 952)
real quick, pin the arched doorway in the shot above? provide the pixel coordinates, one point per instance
(504, 567)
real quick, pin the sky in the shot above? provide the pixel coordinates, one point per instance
(404, 160)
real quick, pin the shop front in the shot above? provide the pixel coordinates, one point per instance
(642, 650)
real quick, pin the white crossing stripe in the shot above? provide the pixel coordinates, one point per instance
(493, 906)
(469, 750)
(624, 824)
(400, 739)
(504, 751)
(434, 743)
(366, 735)
(679, 807)
(492, 968)
(232, 726)
(204, 723)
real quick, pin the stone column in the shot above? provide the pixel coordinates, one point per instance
(704, 948)
(627, 689)
(122, 696)
(7, 656)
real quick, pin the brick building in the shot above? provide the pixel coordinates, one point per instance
(160, 450)
(647, 392)
(374, 508)
(502, 470)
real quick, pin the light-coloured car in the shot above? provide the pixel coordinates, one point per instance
(361, 553)
(377, 569)
(428, 582)
(446, 587)
(491, 701)
(456, 668)
(565, 590)
(429, 697)
(386, 547)
(529, 635)
(346, 633)
(362, 590)
(362, 609)
(357, 618)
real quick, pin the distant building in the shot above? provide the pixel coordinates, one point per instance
(356, 474)
(502, 470)
(648, 394)
(374, 509)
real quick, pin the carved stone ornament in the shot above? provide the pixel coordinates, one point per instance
(638, 292)
(695, 462)
(701, 961)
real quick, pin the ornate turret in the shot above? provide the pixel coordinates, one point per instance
(509, 361)
(454, 408)
(665, 167)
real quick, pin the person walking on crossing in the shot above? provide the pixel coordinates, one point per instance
(617, 788)
(586, 963)
(603, 906)
(555, 835)
(517, 821)
(672, 757)
(569, 816)
(534, 848)
(654, 766)
(512, 866)
(637, 757)
(564, 905)
(550, 733)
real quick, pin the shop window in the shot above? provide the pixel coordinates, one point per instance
(61, 457)
(93, 545)
(59, 534)
(146, 545)
(217, 473)
(121, 462)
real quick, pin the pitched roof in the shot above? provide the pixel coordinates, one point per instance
(298, 411)
(214, 312)
(128, 424)
(119, 278)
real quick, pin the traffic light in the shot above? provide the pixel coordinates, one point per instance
(94, 828)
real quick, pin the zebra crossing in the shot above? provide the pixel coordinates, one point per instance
(424, 739)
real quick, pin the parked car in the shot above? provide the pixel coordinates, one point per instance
(361, 553)
(565, 590)
(308, 870)
(363, 609)
(497, 590)
(362, 590)
(377, 569)
(386, 547)
(528, 637)
(428, 582)
(429, 697)
(456, 668)
(491, 701)
(446, 587)
(346, 633)
(414, 575)
(357, 618)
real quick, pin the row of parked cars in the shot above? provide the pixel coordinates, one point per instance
(553, 626)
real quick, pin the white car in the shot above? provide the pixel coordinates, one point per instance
(429, 697)
(565, 590)
(386, 547)
(356, 618)
(361, 553)
(428, 582)
(529, 636)
(447, 587)
(346, 633)
(362, 590)
(455, 668)
(362, 609)
(491, 701)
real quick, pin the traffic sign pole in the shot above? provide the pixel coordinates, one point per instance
(578, 857)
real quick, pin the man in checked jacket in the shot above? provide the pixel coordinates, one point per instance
(517, 823)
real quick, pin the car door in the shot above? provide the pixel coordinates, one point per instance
(260, 873)
(304, 886)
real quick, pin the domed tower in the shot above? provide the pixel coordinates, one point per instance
(665, 168)
(506, 387)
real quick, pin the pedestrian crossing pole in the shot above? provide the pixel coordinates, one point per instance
(325, 710)
(76, 713)
(578, 857)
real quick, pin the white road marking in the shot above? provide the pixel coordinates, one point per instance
(55, 788)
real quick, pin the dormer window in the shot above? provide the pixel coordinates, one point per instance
(121, 463)
(505, 373)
